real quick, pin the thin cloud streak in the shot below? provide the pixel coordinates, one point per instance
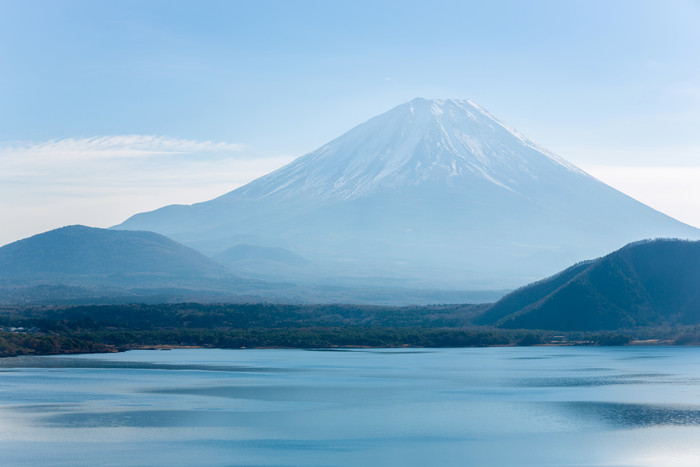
(100, 181)
(109, 147)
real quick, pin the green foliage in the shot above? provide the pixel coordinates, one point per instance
(120, 327)
(651, 283)
(12, 344)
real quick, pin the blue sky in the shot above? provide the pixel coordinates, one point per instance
(114, 107)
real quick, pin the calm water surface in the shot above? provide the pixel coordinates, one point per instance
(556, 406)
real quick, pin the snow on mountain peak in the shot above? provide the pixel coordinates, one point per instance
(438, 141)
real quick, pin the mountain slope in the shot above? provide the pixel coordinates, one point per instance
(271, 263)
(645, 283)
(433, 193)
(239, 253)
(86, 255)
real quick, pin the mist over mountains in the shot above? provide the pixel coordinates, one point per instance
(79, 264)
(431, 194)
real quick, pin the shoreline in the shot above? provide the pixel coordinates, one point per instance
(108, 349)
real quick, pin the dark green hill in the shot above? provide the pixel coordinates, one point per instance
(92, 256)
(655, 282)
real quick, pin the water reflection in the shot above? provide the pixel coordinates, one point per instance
(633, 416)
(148, 418)
(54, 363)
(280, 393)
(589, 381)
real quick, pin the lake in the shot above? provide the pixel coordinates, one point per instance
(527, 406)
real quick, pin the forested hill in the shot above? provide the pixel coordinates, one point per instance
(90, 253)
(649, 283)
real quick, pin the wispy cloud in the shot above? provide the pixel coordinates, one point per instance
(109, 147)
(102, 180)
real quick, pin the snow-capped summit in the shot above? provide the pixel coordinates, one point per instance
(445, 141)
(432, 193)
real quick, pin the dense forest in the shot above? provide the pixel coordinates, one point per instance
(652, 283)
(110, 328)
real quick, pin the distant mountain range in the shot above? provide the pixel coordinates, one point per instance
(79, 264)
(432, 194)
(645, 283)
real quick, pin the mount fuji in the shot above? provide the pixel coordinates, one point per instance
(433, 193)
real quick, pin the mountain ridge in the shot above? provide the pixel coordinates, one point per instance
(79, 264)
